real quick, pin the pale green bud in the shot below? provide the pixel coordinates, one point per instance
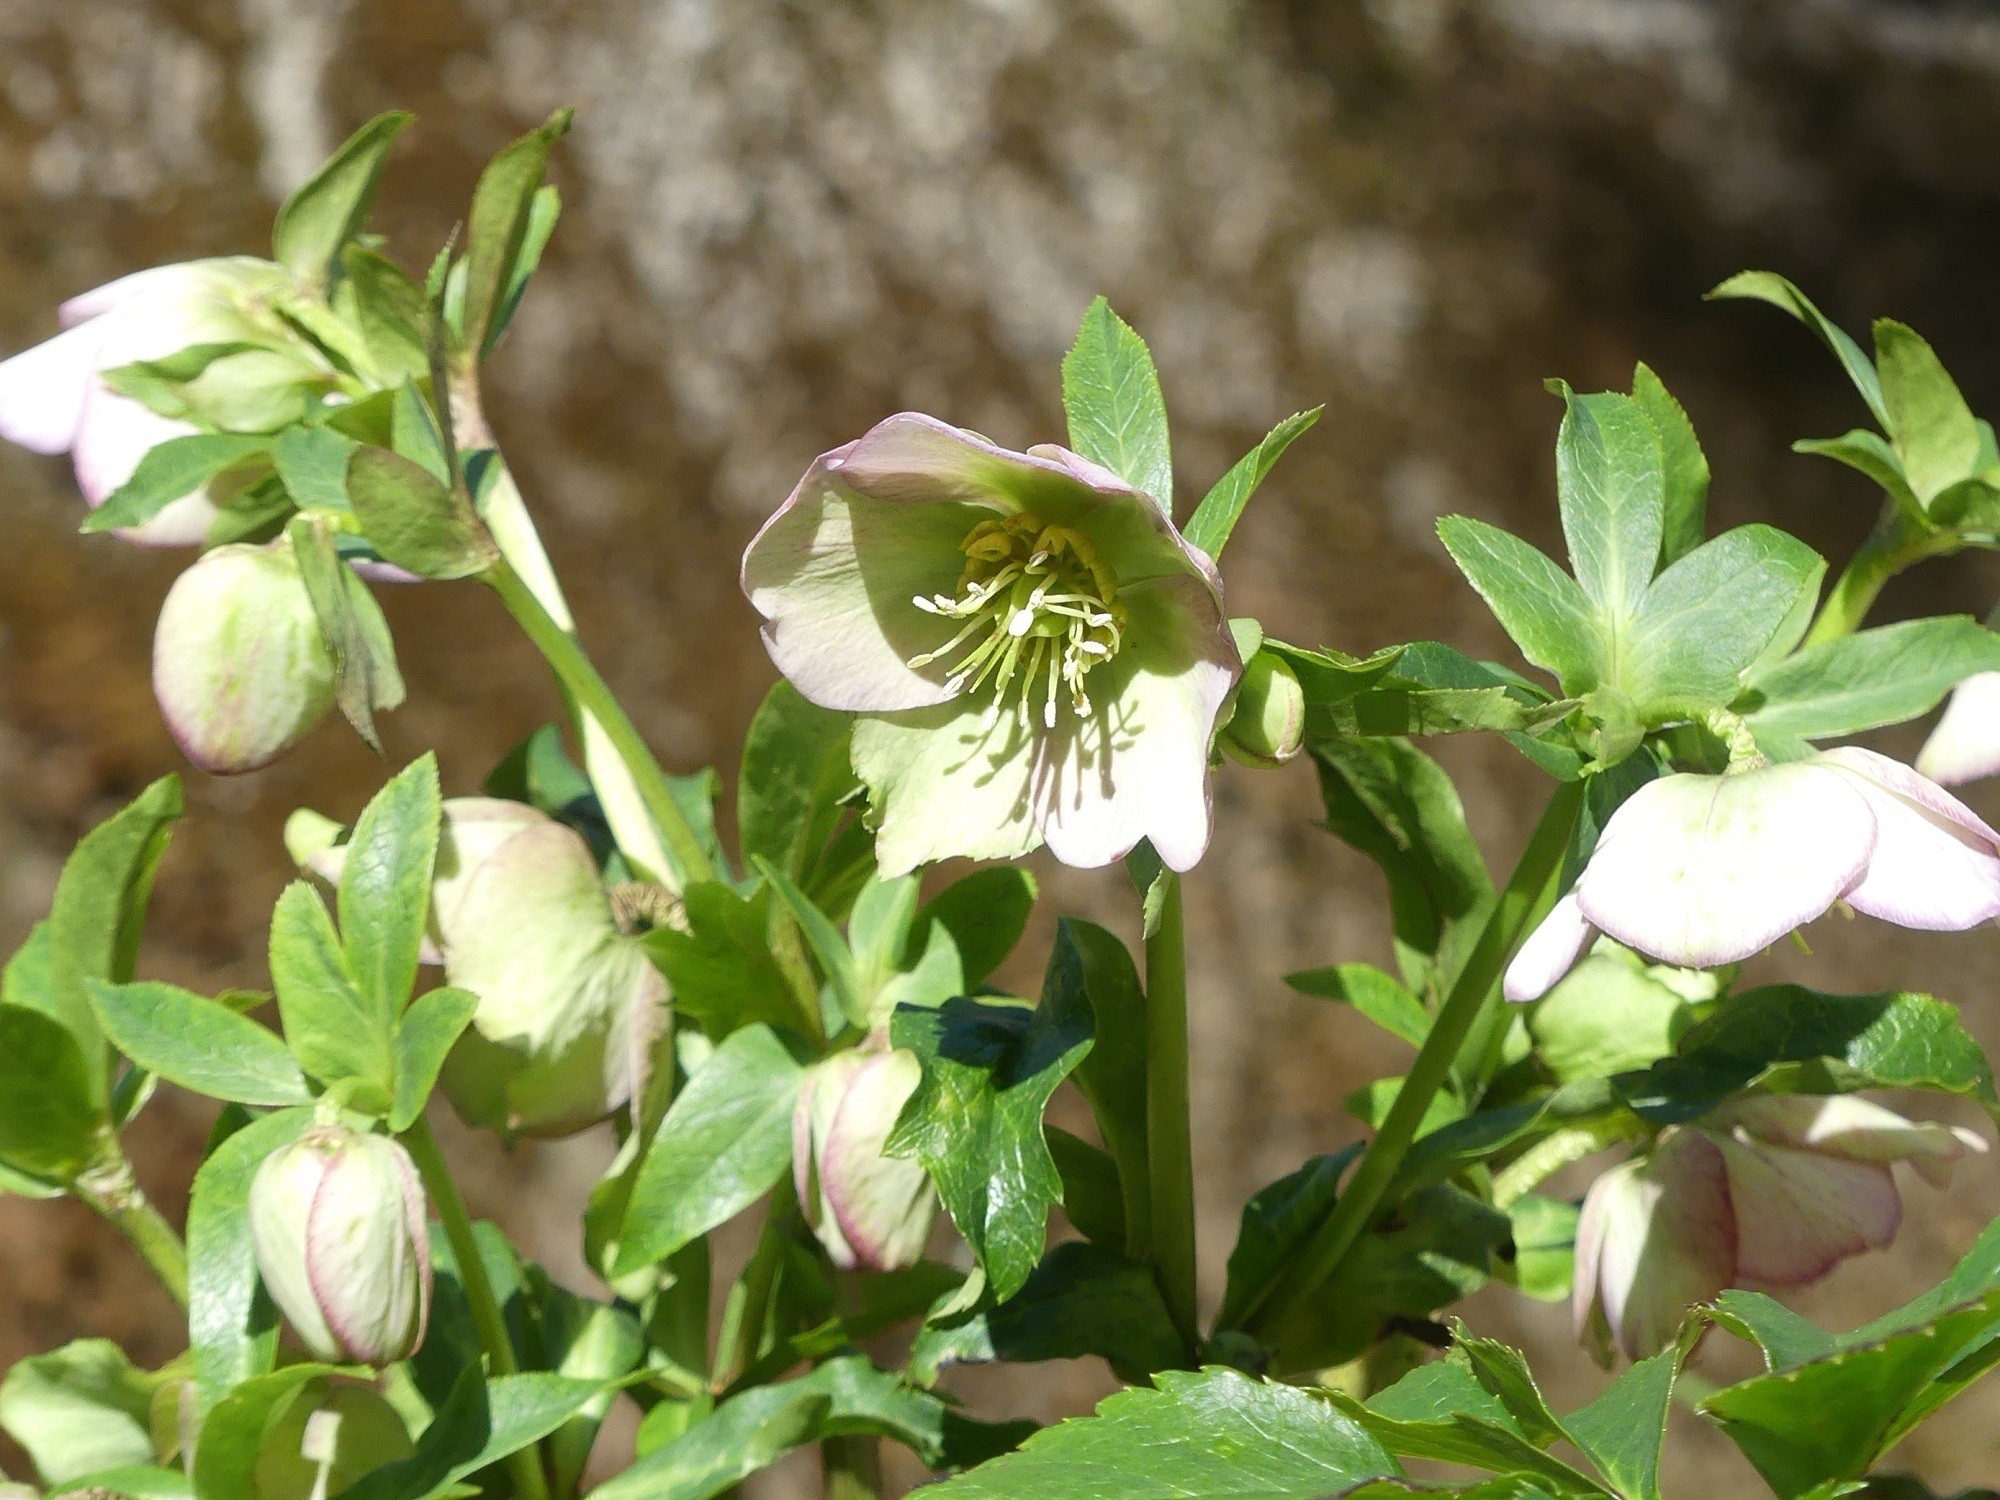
(1269, 723)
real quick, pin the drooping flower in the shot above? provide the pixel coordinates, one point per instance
(337, 1220)
(1767, 1192)
(1965, 746)
(869, 1210)
(240, 666)
(1037, 654)
(54, 399)
(1698, 871)
(569, 1005)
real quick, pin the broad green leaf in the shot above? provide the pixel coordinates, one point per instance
(1543, 1265)
(1091, 969)
(199, 1044)
(414, 434)
(721, 968)
(543, 211)
(389, 310)
(1093, 1194)
(480, 1424)
(1377, 995)
(50, 1119)
(1441, 1412)
(975, 1121)
(1395, 708)
(1111, 394)
(232, 1328)
(1215, 518)
(335, 1030)
(234, 1430)
(1934, 432)
(385, 887)
(1277, 1222)
(1709, 617)
(366, 678)
(1685, 523)
(1611, 487)
(1478, 1138)
(312, 463)
(1082, 1301)
(1536, 602)
(1217, 1434)
(1622, 1431)
(79, 1409)
(503, 212)
(1768, 286)
(723, 1145)
(137, 1481)
(1867, 452)
(1607, 1015)
(329, 209)
(99, 913)
(413, 520)
(1788, 1039)
(985, 913)
(169, 471)
(1868, 679)
(424, 1037)
(795, 774)
(1786, 1339)
(836, 961)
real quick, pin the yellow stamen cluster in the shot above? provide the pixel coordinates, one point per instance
(1040, 612)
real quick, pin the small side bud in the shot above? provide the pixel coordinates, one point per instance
(1269, 724)
(337, 1219)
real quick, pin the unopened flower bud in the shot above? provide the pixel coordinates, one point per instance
(240, 667)
(1269, 724)
(337, 1219)
(869, 1210)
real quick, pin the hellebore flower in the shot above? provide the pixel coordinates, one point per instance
(1965, 746)
(1766, 1192)
(869, 1210)
(337, 1220)
(569, 1006)
(1697, 871)
(240, 666)
(54, 399)
(1037, 654)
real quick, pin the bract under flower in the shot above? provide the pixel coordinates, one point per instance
(1038, 654)
(1698, 871)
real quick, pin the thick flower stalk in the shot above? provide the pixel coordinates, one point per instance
(337, 1219)
(1037, 655)
(870, 1211)
(1697, 871)
(1766, 1192)
(54, 397)
(1965, 746)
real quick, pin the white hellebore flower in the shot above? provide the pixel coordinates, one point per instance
(1767, 1192)
(337, 1220)
(869, 1210)
(53, 398)
(1037, 653)
(1965, 746)
(1697, 871)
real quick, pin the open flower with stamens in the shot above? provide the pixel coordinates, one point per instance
(1766, 1192)
(1698, 871)
(1965, 746)
(1037, 653)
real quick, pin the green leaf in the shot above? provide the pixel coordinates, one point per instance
(1478, 1138)
(1377, 995)
(836, 962)
(415, 435)
(1709, 617)
(721, 968)
(1622, 1431)
(1277, 1222)
(1606, 1016)
(1786, 1338)
(79, 1409)
(503, 211)
(1082, 1301)
(543, 211)
(1213, 520)
(330, 208)
(312, 464)
(1093, 1195)
(1536, 602)
(726, 1142)
(985, 912)
(424, 1038)
(481, 1423)
(232, 1328)
(169, 471)
(1216, 1434)
(413, 520)
(1685, 523)
(795, 775)
(1784, 1038)
(1328, 676)
(1091, 971)
(50, 1119)
(335, 1030)
(389, 310)
(1611, 487)
(1544, 1261)
(1867, 452)
(385, 887)
(137, 1481)
(975, 1121)
(1768, 286)
(366, 678)
(1868, 679)
(1934, 432)
(1117, 416)
(233, 1432)
(198, 1044)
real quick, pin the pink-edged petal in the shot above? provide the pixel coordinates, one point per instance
(114, 433)
(42, 390)
(1137, 766)
(883, 1204)
(820, 1094)
(1936, 865)
(1965, 746)
(1550, 952)
(1846, 1126)
(1656, 1236)
(1698, 871)
(1800, 1213)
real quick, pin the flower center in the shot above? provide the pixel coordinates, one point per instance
(1040, 612)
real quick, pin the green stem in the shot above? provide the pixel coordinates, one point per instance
(530, 1480)
(1169, 1139)
(852, 1466)
(112, 1191)
(750, 1299)
(565, 657)
(1518, 904)
(1551, 1154)
(1894, 545)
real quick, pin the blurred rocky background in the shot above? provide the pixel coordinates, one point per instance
(785, 220)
